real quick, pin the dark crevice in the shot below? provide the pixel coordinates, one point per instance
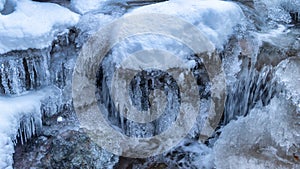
(2, 90)
(35, 82)
(27, 75)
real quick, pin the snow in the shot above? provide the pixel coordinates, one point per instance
(215, 18)
(17, 114)
(91, 23)
(60, 119)
(84, 6)
(33, 25)
(111, 7)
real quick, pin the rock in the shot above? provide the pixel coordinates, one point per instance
(70, 149)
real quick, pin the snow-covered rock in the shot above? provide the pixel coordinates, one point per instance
(83, 6)
(215, 18)
(110, 7)
(22, 116)
(33, 25)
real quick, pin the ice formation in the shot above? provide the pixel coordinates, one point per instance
(261, 139)
(25, 93)
(261, 128)
(22, 117)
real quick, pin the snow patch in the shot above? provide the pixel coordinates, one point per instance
(60, 119)
(33, 25)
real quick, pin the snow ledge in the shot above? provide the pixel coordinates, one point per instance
(34, 25)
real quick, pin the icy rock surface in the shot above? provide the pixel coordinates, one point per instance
(288, 73)
(260, 127)
(268, 135)
(17, 32)
(278, 10)
(32, 82)
(22, 71)
(273, 145)
(21, 116)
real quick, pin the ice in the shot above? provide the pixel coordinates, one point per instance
(110, 7)
(2, 3)
(91, 23)
(22, 117)
(83, 6)
(288, 74)
(267, 138)
(20, 72)
(17, 30)
(274, 36)
(278, 10)
(209, 16)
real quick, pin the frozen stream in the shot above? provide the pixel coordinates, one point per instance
(256, 41)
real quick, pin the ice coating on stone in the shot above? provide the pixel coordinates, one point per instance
(288, 73)
(26, 72)
(209, 16)
(278, 10)
(267, 138)
(22, 117)
(17, 30)
(230, 150)
(274, 36)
